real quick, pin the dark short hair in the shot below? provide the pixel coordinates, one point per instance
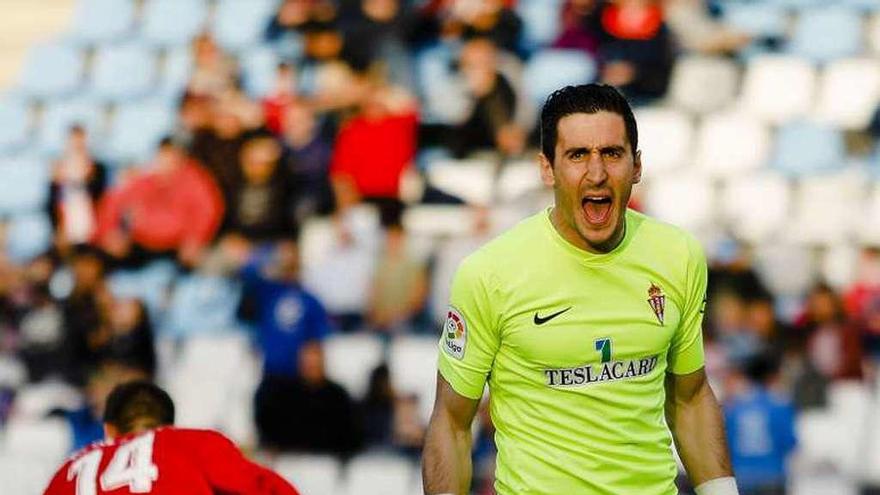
(586, 98)
(138, 403)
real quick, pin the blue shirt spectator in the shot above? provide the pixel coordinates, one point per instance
(285, 314)
(760, 431)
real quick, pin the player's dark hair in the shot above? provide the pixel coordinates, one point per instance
(586, 98)
(138, 404)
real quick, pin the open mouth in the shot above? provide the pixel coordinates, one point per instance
(597, 208)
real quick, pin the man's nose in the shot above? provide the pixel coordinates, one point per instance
(596, 172)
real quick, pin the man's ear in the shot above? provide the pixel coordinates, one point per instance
(546, 171)
(110, 431)
(637, 167)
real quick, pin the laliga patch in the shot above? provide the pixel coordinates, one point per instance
(454, 334)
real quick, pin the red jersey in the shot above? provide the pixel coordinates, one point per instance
(167, 461)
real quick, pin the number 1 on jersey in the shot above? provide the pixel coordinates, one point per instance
(131, 465)
(604, 346)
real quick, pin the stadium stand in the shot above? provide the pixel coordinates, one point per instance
(769, 155)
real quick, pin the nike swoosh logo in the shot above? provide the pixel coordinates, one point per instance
(540, 321)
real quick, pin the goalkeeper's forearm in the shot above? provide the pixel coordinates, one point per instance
(446, 459)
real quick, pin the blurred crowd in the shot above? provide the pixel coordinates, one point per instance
(228, 192)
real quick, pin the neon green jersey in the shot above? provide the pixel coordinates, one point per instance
(575, 347)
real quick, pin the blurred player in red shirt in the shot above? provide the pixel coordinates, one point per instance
(143, 453)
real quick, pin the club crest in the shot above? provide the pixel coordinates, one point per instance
(657, 301)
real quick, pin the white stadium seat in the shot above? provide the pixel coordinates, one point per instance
(665, 138)
(869, 228)
(349, 360)
(730, 144)
(316, 474)
(471, 180)
(824, 207)
(40, 439)
(518, 179)
(685, 200)
(379, 475)
(756, 206)
(412, 362)
(21, 475)
(839, 265)
(874, 33)
(38, 399)
(778, 88)
(702, 84)
(438, 220)
(788, 270)
(849, 91)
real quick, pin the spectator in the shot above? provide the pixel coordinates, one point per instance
(214, 72)
(729, 321)
(833, 344)
(173, 208)
(128, 338)
(218, 146)
(466, 19)
(307, 161)
(286, 316)
(760, 429)
(288, 20)
(309, 413)
(328, 78)
(862, 300)
(377, 33)
(261, 207)
(78, 182)
(636, 50)
(84, 309)
(579, 27)
(390, 420)
(400, 286)
(374, 149)
(283, 95)
(697, 31)
(40, 329)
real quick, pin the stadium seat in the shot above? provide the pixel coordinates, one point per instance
(150, 284)
(778, 88)
(52, 69)
(413, 364)
(731, 144)
(59, 116)
(864, 5)
(96, 21)
(756, 206)
(123, 72)
(473, 181)
(827, 33)
(443, 95)
(551, 69)
(665, 138)
(24, 184)
(176, 70)
(135, 131)
(15, 123)
(28, 236)
(874, 33)
(760, 19)
(38, 438)
(541, 22)
(350, 358)
(37, 400)
(787, 269)
(702, 84)
(310, 473)
(518, 179)
(869, 233)
(849, 92)
(438, 220)
(259, 69)
(239, 24)
(683, 199)
(203, 304)
(20, 475)
(379, 475)
(173, 22)
(804, 148)
(839, 266)
(824, 207)
(13, 373)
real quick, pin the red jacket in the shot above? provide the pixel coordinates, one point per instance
(167, 461)
(163, 211)
(375, 152)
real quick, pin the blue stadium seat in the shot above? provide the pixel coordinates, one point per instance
(136, 129)
(123, 72)
(798, 4)
(443, 97)
(541, 23)
(28, 236)
(259, 68)
(15, 123)
(52, 69)
(203, 304)
(59, 116)
(866, 5)
(149, 284)
(759, 19)
(806, 148)
(96, 21)
(239, 24)
(549, 70)
(827, 33)
(173, 22)
(24, 184)
(176, 71)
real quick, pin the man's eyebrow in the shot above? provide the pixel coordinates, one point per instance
(579, 149)
(613, 147)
